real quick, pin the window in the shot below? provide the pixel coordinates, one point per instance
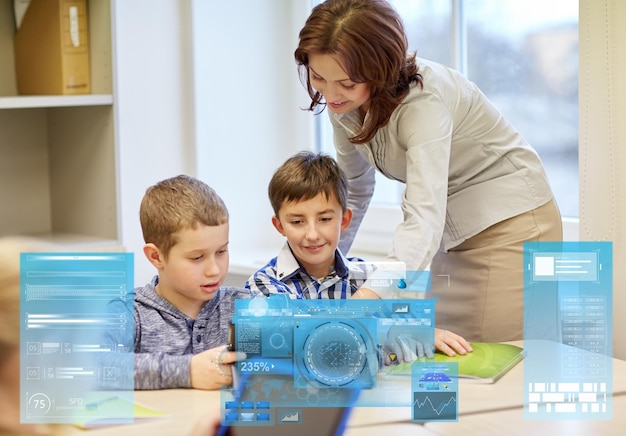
(523, 54)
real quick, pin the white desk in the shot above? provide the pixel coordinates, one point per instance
(483, 409)
(185, 408)
(505, 422)
(513, 423)
(390, 429)
(507, 393)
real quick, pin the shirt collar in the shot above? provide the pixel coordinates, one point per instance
(342, 265)
(287, 265)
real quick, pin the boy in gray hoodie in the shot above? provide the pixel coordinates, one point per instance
(182, 316)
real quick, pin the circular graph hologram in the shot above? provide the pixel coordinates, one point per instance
(334, 354)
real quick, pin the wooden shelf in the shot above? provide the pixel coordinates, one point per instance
(58, 164)
(50, 101)
(75, 242)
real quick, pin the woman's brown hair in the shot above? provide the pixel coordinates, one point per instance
(368, 36)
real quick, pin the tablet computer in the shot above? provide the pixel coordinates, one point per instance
(272, 403)
(309, 421)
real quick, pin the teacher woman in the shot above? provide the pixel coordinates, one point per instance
(475, 190)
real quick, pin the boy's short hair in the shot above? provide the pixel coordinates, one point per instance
(178, 203)
(304, 176)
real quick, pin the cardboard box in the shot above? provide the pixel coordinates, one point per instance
(52, 49)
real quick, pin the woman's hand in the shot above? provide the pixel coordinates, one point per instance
(406, 343)
(450, 343)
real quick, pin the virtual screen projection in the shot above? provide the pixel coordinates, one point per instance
(331, 354)
(435, 388)
(568, 301)
(63, 321)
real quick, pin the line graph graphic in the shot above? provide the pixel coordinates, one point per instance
(435, 406)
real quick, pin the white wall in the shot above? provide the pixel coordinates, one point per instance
(247, 112)
(153, 106)
(242, 60)
(602, 103)
(208, 88)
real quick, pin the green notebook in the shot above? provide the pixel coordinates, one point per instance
(487, 363)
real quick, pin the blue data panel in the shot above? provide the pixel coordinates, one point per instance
(568, 330)
(565, 266)
(304, 354)
(64, 320)
(328, 343)
(392, 281)
(435, 388)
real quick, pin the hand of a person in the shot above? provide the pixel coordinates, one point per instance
(212, 368)
(450, 343)
(406, 343)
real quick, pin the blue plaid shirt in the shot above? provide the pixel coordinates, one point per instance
(284, 275)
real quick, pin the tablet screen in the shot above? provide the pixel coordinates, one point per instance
(273, 404)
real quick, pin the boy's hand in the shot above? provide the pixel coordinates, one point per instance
(211, 369)
(450, 343)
